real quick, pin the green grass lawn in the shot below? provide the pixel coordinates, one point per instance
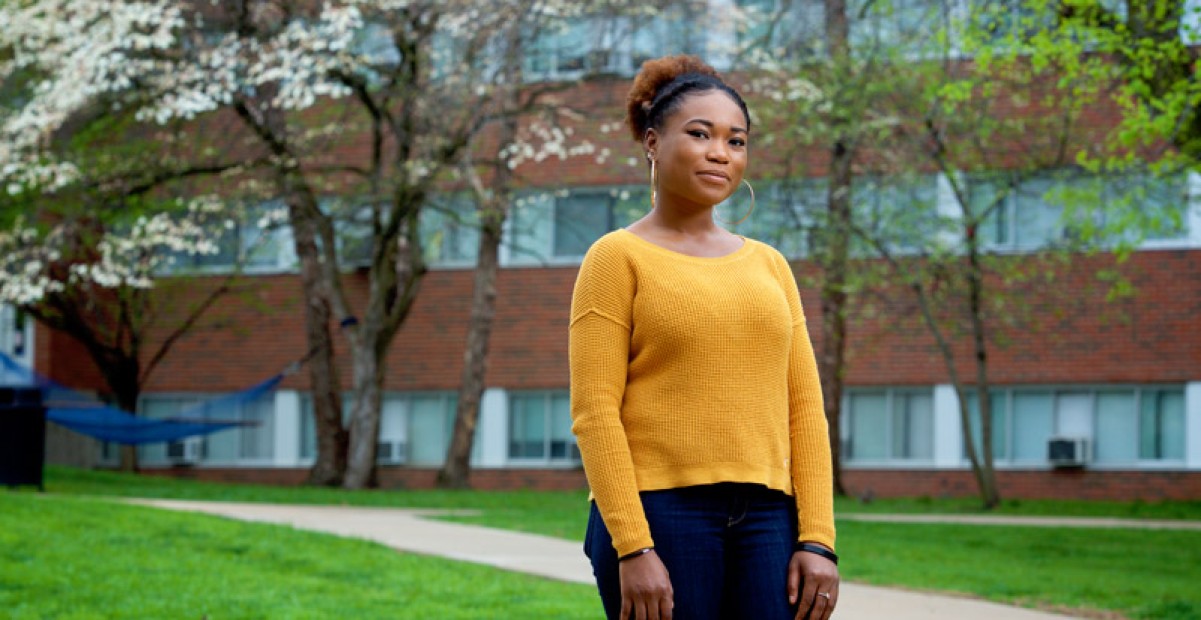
(1143, 574)
(1138, 573)
(74, 558)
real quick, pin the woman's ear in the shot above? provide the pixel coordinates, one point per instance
(650, 142)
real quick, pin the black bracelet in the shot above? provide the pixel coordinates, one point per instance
(642, 551)
(819, 550)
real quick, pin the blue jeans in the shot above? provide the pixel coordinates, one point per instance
(726, 548)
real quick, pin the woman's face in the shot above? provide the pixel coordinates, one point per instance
(700, 151)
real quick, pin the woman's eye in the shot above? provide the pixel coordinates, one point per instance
(696, 133)
(739, 142)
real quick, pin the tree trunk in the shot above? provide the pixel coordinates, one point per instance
(985, 479)
(330, 464)
(456, 472)
(126, 392)
(986, 476)
(834, 302)
(364, 420)
(835, 253)
(394, 278)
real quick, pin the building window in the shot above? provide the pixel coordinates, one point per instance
(255, 239)
(1161, 425)
(889, 425)
(583, 216)
(901, 212)
(13, 327)
(450, 231)
(782, 30)
(1018, 214)
(253, 442)
(785, 215)
(1049, 209)
(415, 428)
(560, 227)
(540, 428)
(900, 26)
(1125, 426)
(1144, 208)
(613, 44)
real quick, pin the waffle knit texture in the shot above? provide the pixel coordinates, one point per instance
(687, 371)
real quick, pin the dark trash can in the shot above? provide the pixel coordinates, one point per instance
(22, 436)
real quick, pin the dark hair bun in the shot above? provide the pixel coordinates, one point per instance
(653, 76)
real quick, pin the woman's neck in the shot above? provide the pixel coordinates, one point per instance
(695, 220)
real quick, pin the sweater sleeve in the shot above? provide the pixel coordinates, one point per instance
(598, 355)
(812, 464)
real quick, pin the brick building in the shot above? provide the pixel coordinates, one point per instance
(1121, 381)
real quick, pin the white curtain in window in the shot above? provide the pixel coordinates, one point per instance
(1036, 220)
(1074, 414)
(527, 428)
(913, 426)
(430, 432)
(308, 428)
(1032, 425)
(869, 426)
(1117, 428)
(258, 439)
(393, 429)
(531, 228)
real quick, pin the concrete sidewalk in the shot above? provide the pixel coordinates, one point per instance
(413, 531)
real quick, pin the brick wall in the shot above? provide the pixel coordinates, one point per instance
(1067, 334)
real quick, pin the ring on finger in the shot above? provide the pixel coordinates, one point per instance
(825, 594)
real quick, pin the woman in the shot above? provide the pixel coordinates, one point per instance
(694, 392)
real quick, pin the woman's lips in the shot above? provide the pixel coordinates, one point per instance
(714, 177)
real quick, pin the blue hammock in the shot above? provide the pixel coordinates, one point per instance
(83, 414)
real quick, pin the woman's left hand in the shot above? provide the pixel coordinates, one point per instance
(815, 580)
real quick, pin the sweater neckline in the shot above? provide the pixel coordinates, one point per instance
(710, 260)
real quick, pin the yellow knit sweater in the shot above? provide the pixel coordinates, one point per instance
(688, 371)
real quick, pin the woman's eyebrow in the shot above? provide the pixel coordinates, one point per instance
(710, 125)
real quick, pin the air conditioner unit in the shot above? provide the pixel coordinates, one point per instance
(1068, 451)
(186, 451)
(391, 452)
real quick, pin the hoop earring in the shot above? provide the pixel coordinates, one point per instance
(748, 211)
(654, 195)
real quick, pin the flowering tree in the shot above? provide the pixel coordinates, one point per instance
(88, 224)
(411, 81)
(419, 90)
(93, 278)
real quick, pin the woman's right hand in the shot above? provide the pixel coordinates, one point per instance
(645, 588)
